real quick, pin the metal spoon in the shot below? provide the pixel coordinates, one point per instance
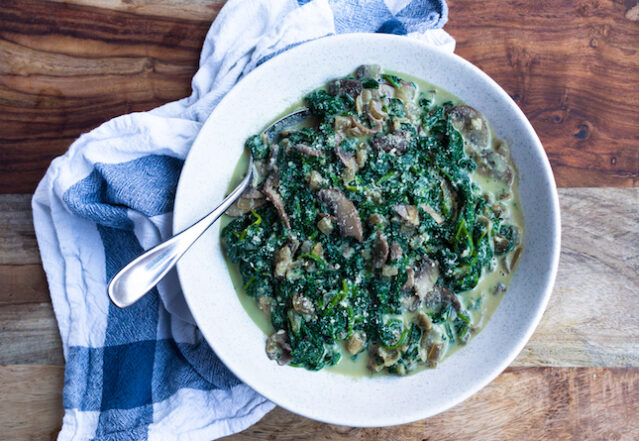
(133, 281)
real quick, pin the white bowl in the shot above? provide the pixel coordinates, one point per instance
(330, 397)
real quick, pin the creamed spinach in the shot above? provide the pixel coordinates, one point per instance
(382, 232)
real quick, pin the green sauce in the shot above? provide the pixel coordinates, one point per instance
(446, 193)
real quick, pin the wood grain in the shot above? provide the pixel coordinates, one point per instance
(589, 320)
(18, 245)
(522, 404)
(29, 335)
(596, 288)
(204, 10)
(23, 284)
(572, 66)
(66, 67)
(31, 404)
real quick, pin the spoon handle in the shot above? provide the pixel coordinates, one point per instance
(133, 281)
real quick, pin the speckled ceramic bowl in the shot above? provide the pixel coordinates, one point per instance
(331, 397)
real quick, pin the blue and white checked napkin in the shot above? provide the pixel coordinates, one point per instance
(146, 372)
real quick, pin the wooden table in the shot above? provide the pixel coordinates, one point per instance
(572, 66)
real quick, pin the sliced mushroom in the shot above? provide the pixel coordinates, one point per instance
(283, 261)
(396, 141)
(381, 357)
(295, 320)
(487, 223)
(501, 147)
(272, 182)
(345, 212)
(425, 277)
(510, 260)
(253, 193)
(355, 342)
(450, 198)
(390, 356)
(410, 302)
(410, 280)
(471, 125)
(395, 250)
(341, 124)
(376, 114)
(498, 208)
(368, 71)
(348, 174)
(345, 86)
(346, 158)
(303, 304)
(447, 297)
(406, 92)
(386, 90)
(435, 352)
(435, 215)
(318, 250)
(375, 110)
(380, 252)
(376, 219)
(315, 180)
(423, 321)
(278, 347)
(359, 129)
(362, 100)
(308, 150)
(361, 156)
(352, 126)
(250, 200)
(408, 213)
(494, 165)
(325, 224)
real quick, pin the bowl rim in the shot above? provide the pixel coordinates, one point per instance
(535, 318)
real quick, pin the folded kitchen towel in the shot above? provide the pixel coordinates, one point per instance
(145, 372)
